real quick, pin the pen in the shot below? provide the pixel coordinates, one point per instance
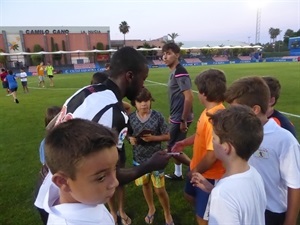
(174, 153)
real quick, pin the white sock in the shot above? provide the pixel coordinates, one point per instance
(178, 170)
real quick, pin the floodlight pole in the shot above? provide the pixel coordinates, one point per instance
(258, 20)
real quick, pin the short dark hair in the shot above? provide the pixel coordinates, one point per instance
(274, 86)
(99, 77)
(10, 72)
(51, 112)
(212, 83)
(239, 126)
(144, 95)
(69, 142)
(171, 46)
(127, 59)
(249, 91)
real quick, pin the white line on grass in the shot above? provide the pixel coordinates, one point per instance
(162, 84)
(53, 88)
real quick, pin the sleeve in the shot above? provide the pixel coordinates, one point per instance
(183, 79)
(289, 162)
(120, 123)
(42, 152)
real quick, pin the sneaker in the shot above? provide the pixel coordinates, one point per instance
(173, 177)
(16, 101)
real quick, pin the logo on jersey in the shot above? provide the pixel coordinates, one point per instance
(122, 136)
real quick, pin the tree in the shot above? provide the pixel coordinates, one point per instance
(274, 32)
(36, 59)
(124, 28)
(173, 36)
(290, 33)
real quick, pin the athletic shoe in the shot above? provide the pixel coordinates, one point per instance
(173, 177)
(16, 101)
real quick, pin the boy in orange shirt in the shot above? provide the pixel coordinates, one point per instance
(40, 73)
(211, 85)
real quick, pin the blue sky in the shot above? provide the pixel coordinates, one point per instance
(193, 20)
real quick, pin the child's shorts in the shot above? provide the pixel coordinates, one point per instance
(4, 84)
(201, 197)
(13, 89)
(157, 177)
(24, 83)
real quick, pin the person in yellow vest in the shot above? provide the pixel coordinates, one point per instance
(49, 70)
(40, 73)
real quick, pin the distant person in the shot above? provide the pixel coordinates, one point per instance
(50, 73)
(40, 73)
(147, 130)
(280, 119)
(181, 101)
(23, 79)
(12, 85)
(103, 104)
(51, 112)
(211, 85)
(82, 156)
(4, 81)
(239, 196)
(277, 158)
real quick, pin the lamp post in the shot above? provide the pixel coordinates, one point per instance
(258, 20)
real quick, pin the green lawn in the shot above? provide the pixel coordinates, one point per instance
(22, 128)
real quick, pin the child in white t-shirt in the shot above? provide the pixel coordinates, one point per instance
(82, 156)
(239, 196)
(23, 78)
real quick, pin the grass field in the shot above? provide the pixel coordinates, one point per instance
(22, 128)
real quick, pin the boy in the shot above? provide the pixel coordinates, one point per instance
(211, 85)
(3, 75)
(277, 158)
(147, 130)
(12, 85)
(23, 79)
(279, 118)
(239, 196)
(49, 70)
(181, 102)
(40, 73)
(82, 156)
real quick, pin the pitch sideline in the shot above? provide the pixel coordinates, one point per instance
(286, 113)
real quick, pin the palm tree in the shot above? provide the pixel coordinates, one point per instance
(274, 32)
(124, 28)
(173, 36)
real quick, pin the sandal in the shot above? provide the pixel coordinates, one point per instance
(126, 221)
(172, 223)
(149, 219)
